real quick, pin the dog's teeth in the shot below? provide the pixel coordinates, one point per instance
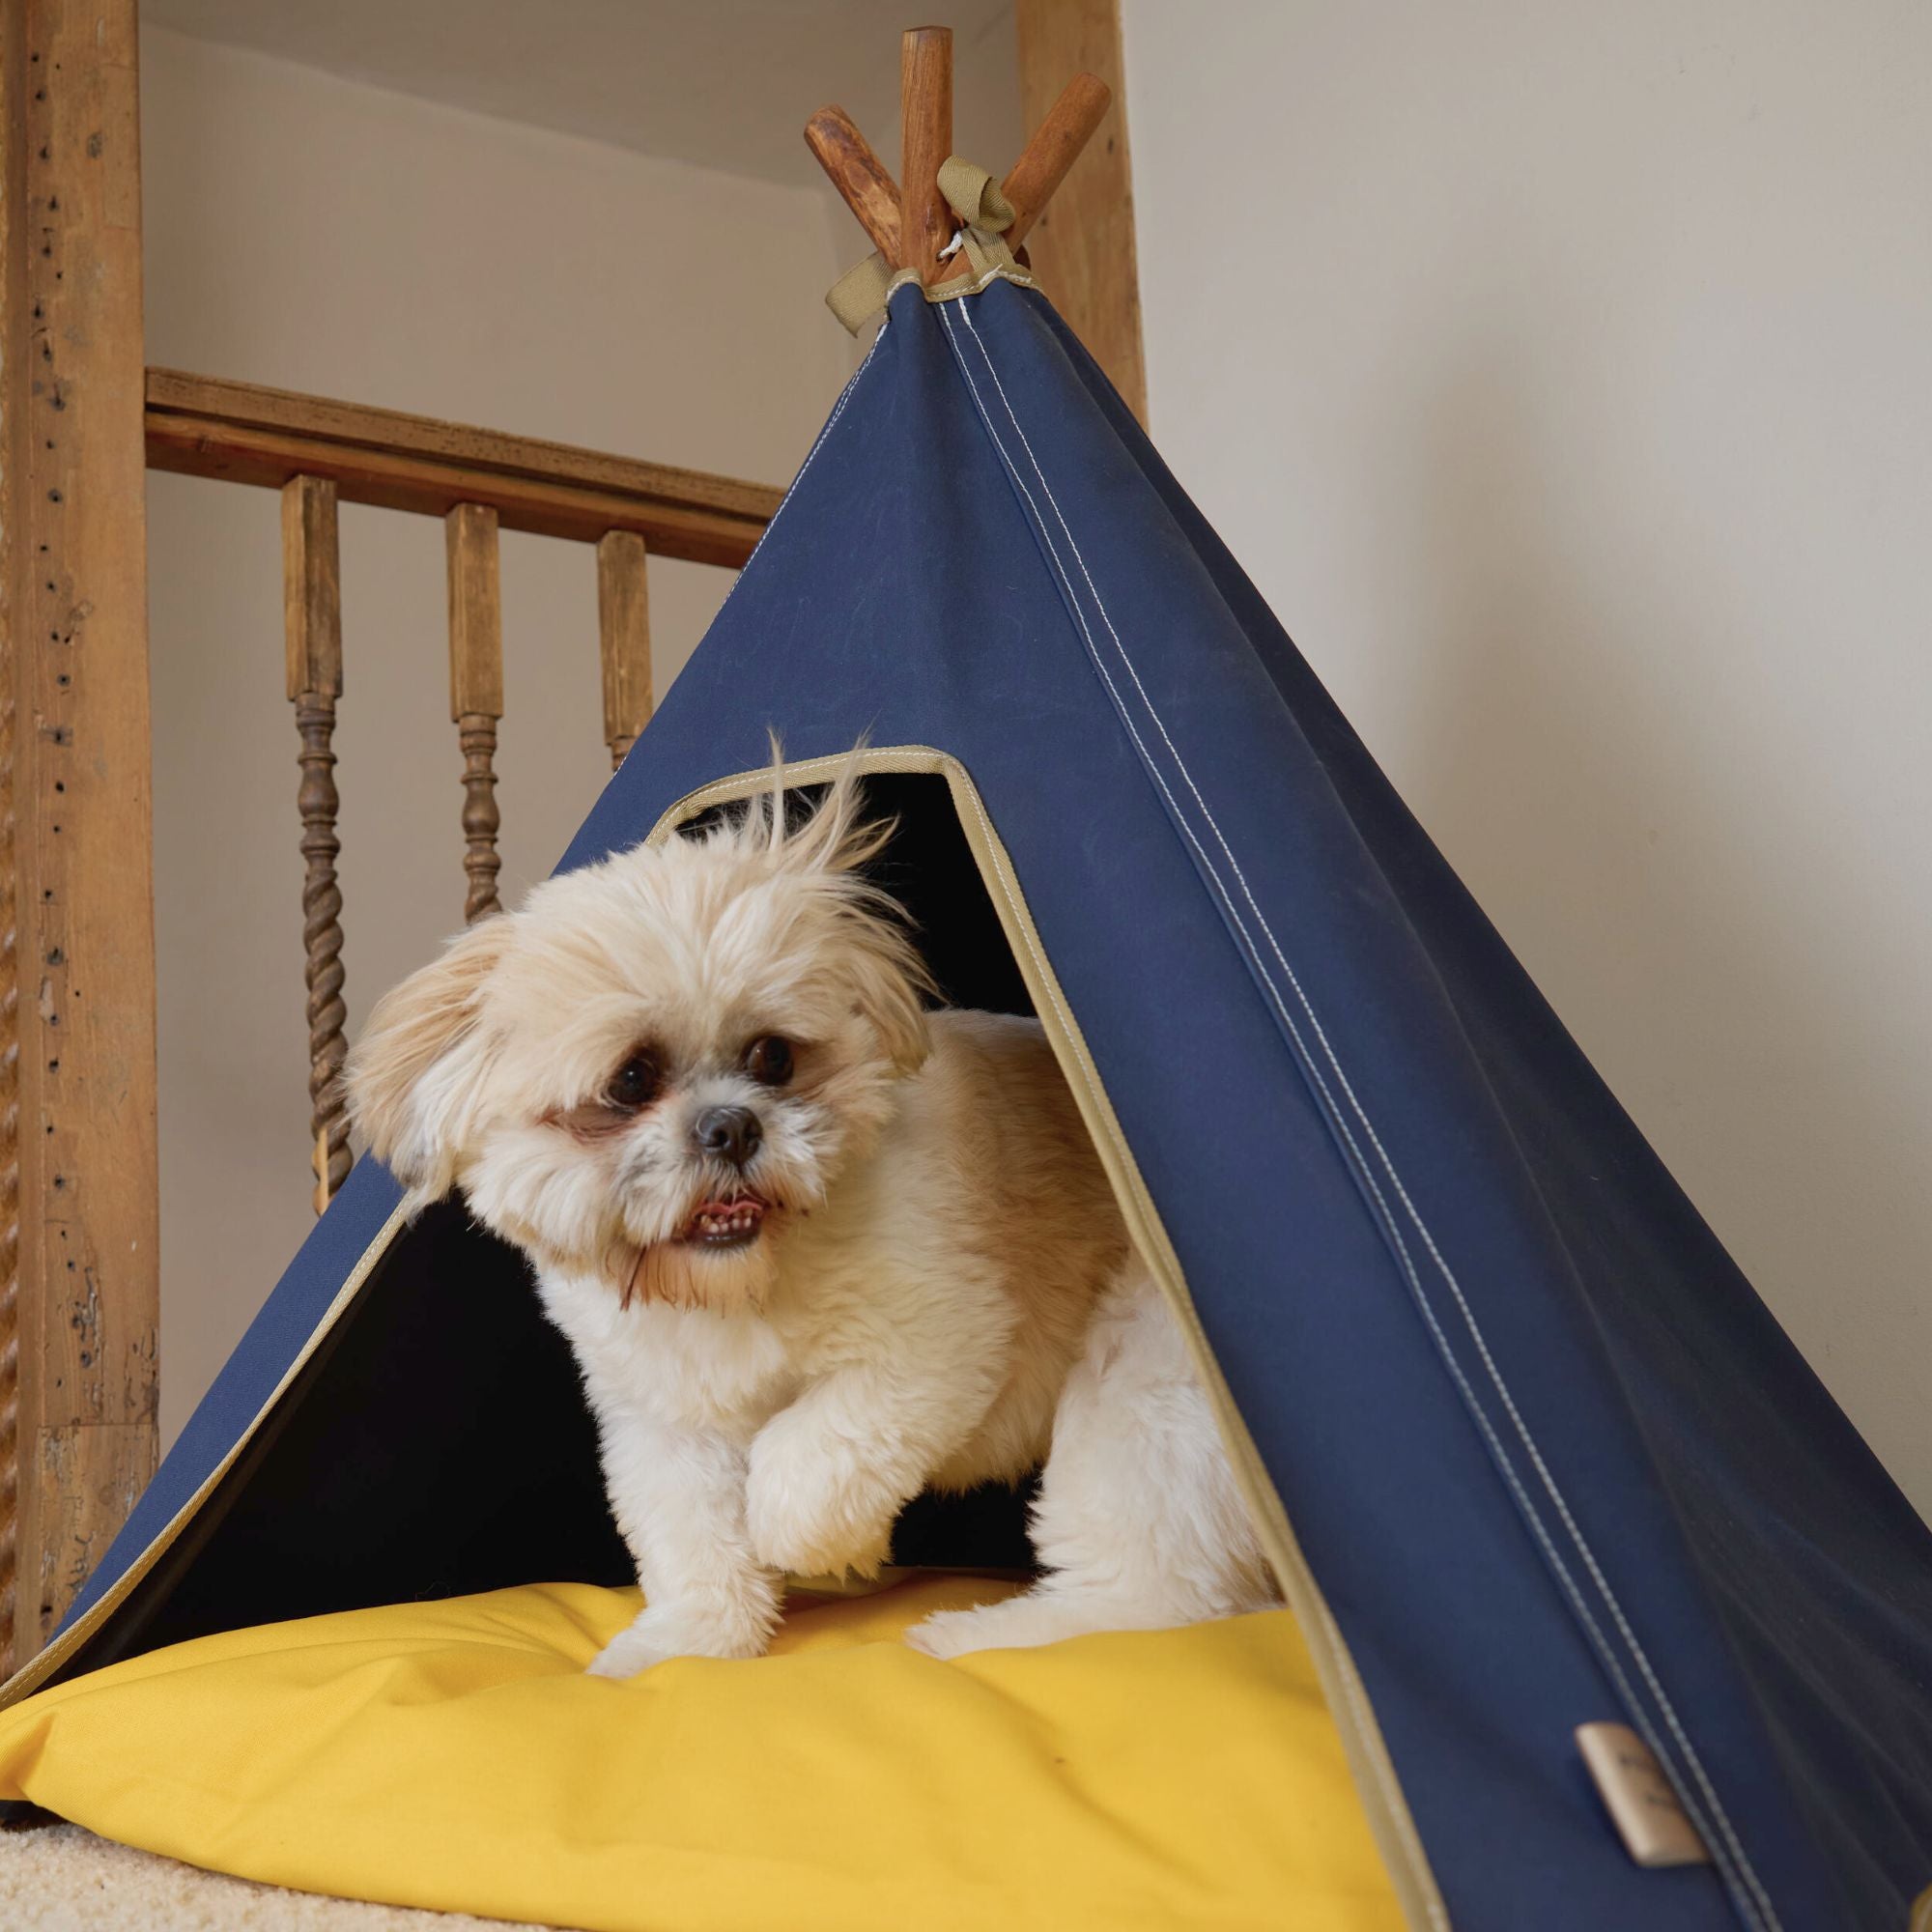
(728, 1218)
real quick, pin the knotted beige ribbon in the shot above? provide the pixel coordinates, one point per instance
(975, 197)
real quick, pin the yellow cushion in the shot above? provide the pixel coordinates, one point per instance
(454, 1755)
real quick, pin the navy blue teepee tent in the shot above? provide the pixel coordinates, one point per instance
(1539, 1456)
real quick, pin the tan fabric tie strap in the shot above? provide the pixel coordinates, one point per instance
(976, 199)
(863, 290)
(976, 196)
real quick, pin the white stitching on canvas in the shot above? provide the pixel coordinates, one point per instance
(1611, 1603)
(1384, 1771)
(1520, 1427)
(1383, 1216)
(1398, 1808)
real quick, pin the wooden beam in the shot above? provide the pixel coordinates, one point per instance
(79, 1148)
(925, 140)
(239, 432)
(1083, 248)
(624, 639)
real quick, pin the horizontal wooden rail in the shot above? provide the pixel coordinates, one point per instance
(203, 426)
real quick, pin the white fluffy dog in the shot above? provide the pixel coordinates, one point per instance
(815, 1248)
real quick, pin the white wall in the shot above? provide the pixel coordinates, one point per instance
(1563, 375)
(318, 234)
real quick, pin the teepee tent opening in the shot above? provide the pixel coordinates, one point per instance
(1527, 1453)
(439, 1347)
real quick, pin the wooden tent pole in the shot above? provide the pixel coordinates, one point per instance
(859, 175)
(1069, 124)
(925, 140)
(909, 228)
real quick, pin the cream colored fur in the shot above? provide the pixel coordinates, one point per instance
(939, 1293)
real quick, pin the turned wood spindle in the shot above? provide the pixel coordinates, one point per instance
(312, 624)
(476, 692)
(624, 639)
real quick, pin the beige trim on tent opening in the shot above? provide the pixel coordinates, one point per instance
(1369, 1762)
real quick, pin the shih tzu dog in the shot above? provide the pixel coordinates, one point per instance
(815, 1247)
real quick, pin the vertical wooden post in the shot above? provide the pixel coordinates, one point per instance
(476, 692)
(15, 409)
(79, 1157)
(312, 627)
(624, 639)
(926, 139)
(1084, 246)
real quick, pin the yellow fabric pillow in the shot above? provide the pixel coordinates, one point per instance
(453, 1754)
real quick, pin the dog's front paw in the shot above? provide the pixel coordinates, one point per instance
(813, 1507)
(675, 1630)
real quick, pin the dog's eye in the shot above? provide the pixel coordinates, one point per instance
(769, 1061)
(634, 1084)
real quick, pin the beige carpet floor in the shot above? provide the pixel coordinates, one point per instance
(58, 1878)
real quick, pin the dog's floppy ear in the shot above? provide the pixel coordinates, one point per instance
(890, 979)
(415, 1074)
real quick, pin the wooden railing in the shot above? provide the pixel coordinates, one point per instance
(319, 454)
(243, 434)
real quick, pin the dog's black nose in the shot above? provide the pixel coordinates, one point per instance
(732, 1133)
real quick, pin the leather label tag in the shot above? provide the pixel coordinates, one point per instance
(1638, 1798)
